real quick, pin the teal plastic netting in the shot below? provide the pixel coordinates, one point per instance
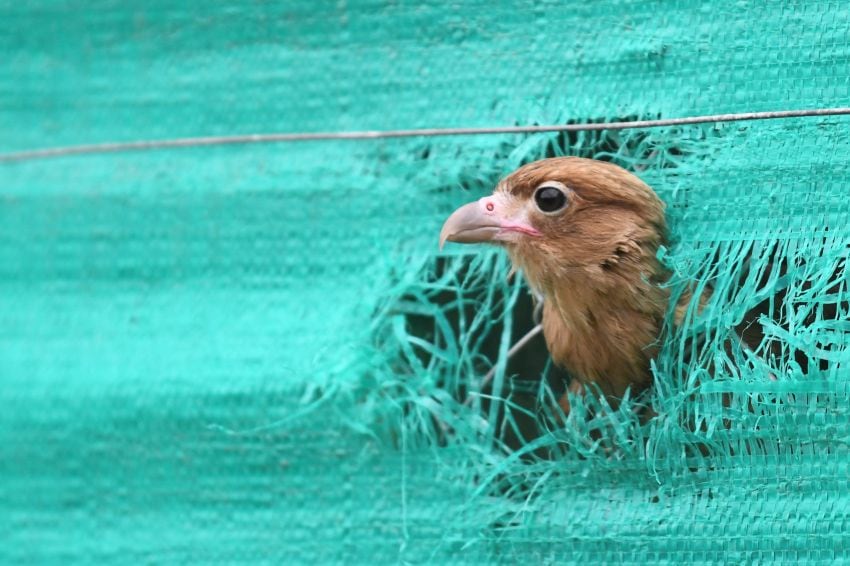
(256, 353)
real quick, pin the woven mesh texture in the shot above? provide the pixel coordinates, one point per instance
(257, 354)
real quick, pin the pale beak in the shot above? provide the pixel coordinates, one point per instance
(482, 221)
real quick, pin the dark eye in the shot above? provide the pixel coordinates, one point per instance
(550, 199)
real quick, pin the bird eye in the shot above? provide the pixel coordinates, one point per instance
(550, 199)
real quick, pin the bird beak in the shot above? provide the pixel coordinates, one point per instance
(483, 220)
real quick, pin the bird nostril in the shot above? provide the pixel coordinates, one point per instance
(489, 206)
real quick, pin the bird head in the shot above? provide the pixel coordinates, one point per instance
(566, 215)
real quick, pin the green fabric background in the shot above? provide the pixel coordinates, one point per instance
(186, 335)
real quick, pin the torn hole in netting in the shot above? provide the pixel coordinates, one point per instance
(454, 323)
(761, 339)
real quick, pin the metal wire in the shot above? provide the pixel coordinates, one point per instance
(142, 145)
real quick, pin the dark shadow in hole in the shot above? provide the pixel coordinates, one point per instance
(528, 369)
(525, 370)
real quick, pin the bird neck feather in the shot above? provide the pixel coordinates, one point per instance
(601, 323)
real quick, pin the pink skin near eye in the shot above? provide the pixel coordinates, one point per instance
(521, 228)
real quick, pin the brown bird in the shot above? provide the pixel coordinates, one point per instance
(585, 234)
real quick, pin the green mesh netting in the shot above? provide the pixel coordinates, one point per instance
(256, 353)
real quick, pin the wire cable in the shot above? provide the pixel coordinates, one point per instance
(144, 145)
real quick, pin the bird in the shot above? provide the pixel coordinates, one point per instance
(585, 234)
